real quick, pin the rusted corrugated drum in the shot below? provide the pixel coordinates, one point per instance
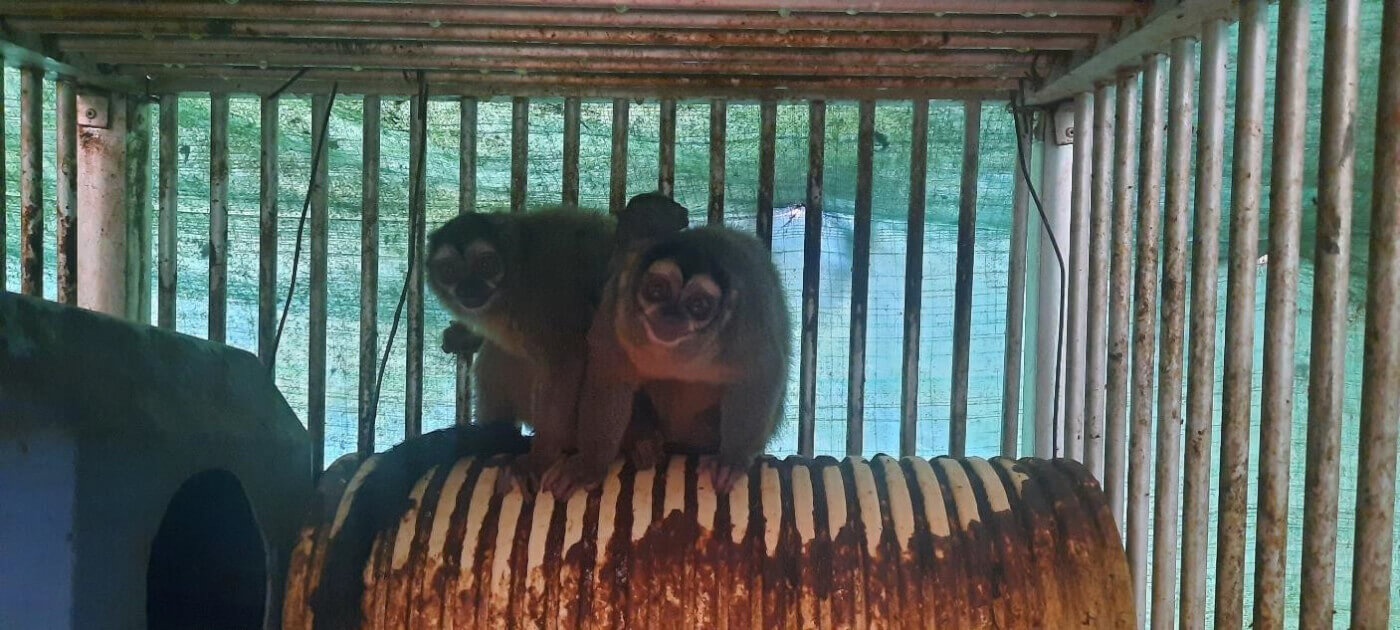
(912, 543)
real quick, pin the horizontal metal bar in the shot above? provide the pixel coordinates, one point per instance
(27, 51)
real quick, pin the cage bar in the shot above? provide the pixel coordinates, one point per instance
(1171, 341)
(1056, 175)
(520, 152)
(1077, 326)
(136, 144)
(417, 229)
(1125, 155)
(466, 202)
(218, 217)
(666, 149)
(269, 175)
(369, 273)
(66, 193)
(1096, 319)
(31, 181)
(319, 227)
(860, 281)
(167, 241)
(617, 182)
(767, 140)
(4, 193)
(1200, 383)
(719, 123)
(811, 279)
(962, 299)
(571, 147)
(914, 282)
(1015, 297)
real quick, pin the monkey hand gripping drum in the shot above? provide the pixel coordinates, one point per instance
(948, 543)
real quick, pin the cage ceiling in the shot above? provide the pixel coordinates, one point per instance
(637, 48)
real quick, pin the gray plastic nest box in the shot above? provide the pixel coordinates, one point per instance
(147, 478)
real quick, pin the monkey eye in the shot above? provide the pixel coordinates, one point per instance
(656, 289)
(699, 307)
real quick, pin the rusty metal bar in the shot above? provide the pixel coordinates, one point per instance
(719, 123)
(369, 272)
(519, 152)
(666, 149)
(218, 217)
(1281, 311)
(860, 281)
(66, 194)
(1245, 175)
(169, 209)
(767, 142)
(1167, 485)
(571, 147)
(1015, 301)
(1200, 384)
(811, 279)
(4, 194)
(136, 143)
(1380, 399)
(417, 233)
(1125, 166)
(269, 176)
(1096, 319)
(466, 202)
(1331, 278)
(914, 281)
(318, 285)
(1024, 8)
(1075, 357)
(31, 181)
(617, 183)
(962, 299)
(109, 250)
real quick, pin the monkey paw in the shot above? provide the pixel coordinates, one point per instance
(645, 452)
(571, 475)
(460, 340)
(519, 474)
(723, 474)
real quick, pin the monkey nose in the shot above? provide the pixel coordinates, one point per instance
(472, 293)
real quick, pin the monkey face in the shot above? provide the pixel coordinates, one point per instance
(675, 305)
(465, 267)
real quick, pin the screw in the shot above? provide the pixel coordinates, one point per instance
(90, 113)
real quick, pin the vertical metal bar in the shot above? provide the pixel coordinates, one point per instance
(571, 145)
(914, 280)
(719, 122)
(666, 150)
(417, 232)
(267, 228)
(369, 272)
(1167, 490)
(109, 155)
(962, 298)
(1096, 319)
(1245, 173)
(1015, 303)
(137, 203)
(767, 141)
(1281, 311)
(1056, 175)
(617, 185)
(1120, 280)
(811, 279)
(860, 282)
(218, 217)
(4, 194)
(1380, 399)
(31, 181)
(317, 283)
(1331, 275)
(169, 209)
(1077, 330)
(1200, 384)
(520, 152)
(466, 202)
(66, 194)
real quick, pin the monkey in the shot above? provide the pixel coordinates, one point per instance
(698, 322)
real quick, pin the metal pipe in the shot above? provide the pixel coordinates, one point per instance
(218, 217)
(106, 266)
(1015, 303)
(169, 209)
(31, 181)
(914, 281)
(617, 182)
(811, 279)
(519, 152)
(1026, 8)
(369, 273)
(1125, 154)
(1080, 207)
(962, 298)
(1331, 280)
(1172, 340)
(317, 285)
(719, 123)
(66, 192)
(4, 194)
(571, 147)
(1200, 384)
(860, 281)
(1281, 311)
(666, 149)
(267, 226)
(1056, 175)
(767, 142)
(1380, 399)
(136, 142)
(466, 202)
(1096, 319)
(1245, 173)
(417, 233)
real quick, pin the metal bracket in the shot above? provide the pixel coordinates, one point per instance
(1063, 121)
(94, 110)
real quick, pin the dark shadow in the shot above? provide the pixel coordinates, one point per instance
(208, 566)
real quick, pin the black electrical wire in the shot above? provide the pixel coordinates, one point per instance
(288, 83)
